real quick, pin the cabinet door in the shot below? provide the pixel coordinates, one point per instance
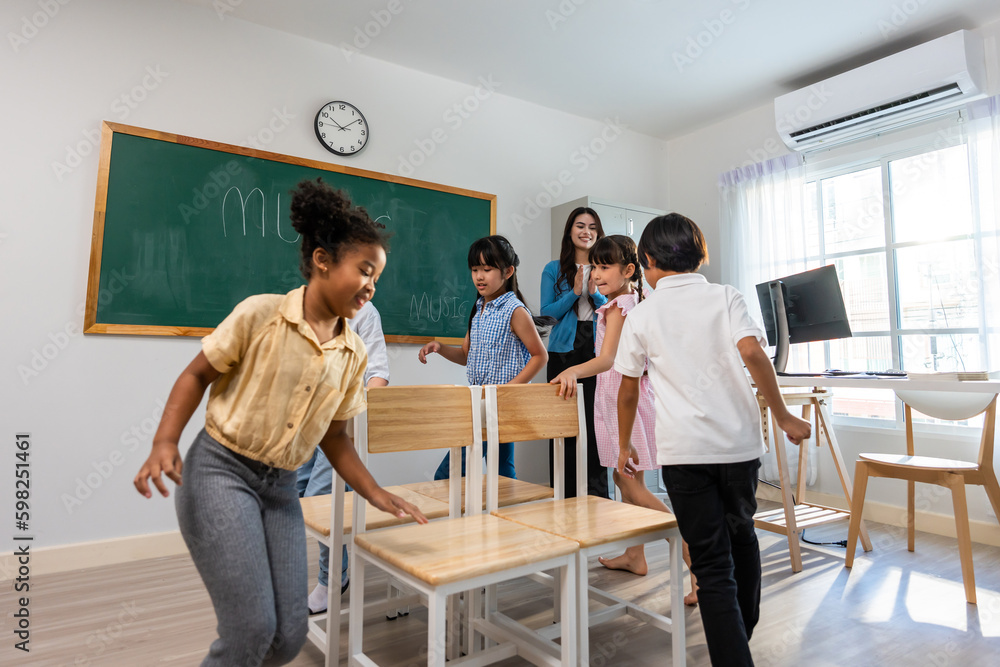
(614, 220)
(636, 221)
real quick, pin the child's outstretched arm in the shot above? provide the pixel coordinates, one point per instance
(165, 459)
(628, 403)
(524, 328)
(339, 450)
(453, 353)
(601, 363)
(763, 376)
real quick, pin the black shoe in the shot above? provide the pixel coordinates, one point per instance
(343, 588)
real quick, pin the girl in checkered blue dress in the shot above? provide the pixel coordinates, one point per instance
(502, 345)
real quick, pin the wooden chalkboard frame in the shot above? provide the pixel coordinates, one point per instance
(109, 129)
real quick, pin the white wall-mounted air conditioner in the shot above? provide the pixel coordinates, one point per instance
(907, 87)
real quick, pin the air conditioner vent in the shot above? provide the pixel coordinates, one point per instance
(907, 87)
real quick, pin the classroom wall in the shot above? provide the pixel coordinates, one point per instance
(91, 403)
(696, 161)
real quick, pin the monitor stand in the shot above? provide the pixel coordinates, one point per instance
(777, 290)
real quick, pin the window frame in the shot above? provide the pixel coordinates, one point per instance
(879, 152)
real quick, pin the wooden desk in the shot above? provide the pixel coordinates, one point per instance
(794, 517)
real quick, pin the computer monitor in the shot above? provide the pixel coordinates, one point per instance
(802, 308)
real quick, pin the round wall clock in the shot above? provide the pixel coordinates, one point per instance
(341, 128)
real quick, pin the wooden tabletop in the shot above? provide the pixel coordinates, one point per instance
(590, 521)
(441, 552)
(316, 510)
(512, 491)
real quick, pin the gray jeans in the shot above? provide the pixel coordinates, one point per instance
(242, 523)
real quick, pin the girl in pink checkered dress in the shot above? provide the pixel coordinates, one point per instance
(617, 275)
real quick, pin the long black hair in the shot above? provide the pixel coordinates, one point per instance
(567, 252)
(496, 251)
(326, 219)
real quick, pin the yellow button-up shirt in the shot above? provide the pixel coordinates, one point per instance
(280, 388)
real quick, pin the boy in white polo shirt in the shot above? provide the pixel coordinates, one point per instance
(696, 338)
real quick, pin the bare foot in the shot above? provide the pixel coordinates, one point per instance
(691, 599)
(627, 563)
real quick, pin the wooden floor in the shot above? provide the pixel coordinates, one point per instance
(894, 608)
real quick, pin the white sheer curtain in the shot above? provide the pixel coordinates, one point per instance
(762, 215)
(983, 131)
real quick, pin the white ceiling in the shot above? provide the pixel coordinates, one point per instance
(664, 67)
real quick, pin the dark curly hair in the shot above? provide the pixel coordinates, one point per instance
(327, 219)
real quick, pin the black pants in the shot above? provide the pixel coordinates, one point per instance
(597, 475)
(714, 505)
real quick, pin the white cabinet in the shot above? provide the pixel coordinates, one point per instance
(616, 218)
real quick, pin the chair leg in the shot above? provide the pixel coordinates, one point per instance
(992, 491)
(582, 615)
(911, 519)
(678, 639)
(957, 485)
(436, 630)
(857, 507)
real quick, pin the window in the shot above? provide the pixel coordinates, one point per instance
(904, 235)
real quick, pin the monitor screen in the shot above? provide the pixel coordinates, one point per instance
(814, 306)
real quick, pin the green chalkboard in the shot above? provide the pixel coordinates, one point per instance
(184, 229)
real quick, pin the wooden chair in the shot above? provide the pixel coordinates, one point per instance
(457, 554)
(537, 412)
(944, 472)
(511, 491)
(320, 514)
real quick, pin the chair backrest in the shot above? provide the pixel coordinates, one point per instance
(952, 406)
(421, 417)
(521, 412)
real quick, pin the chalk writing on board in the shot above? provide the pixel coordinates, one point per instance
(242, 214)
(435, 308)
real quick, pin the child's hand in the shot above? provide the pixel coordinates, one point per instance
(164, 459)
(567, 383)
(431, 348)
(627, 460)
(395, 505)
(591, 284)
(795, 428)
(578, 282)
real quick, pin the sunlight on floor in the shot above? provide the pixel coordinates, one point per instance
(948, 596)
(876, 599)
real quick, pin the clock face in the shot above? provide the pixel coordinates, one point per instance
(341, 128)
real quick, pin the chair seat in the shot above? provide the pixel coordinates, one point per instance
(316, 511)
(922, 462)
(589, 521)
(443, 552)
(512, 491)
